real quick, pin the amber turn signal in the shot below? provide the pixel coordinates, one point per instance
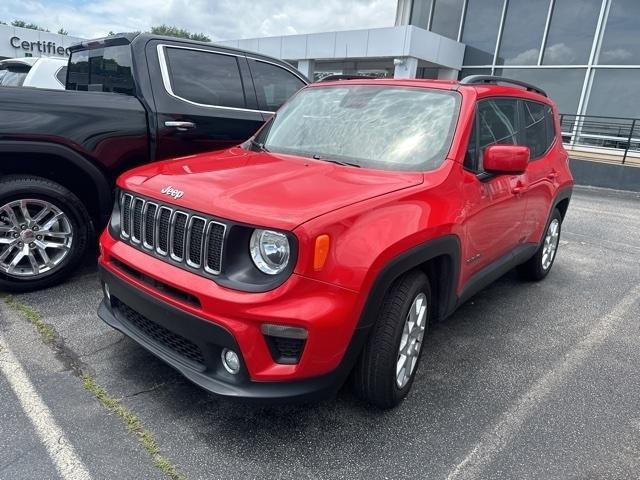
(322, 250)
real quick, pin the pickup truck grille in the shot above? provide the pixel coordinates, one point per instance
(185, 238)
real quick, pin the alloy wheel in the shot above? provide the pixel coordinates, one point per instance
(411, 340)
(550, 244)
(35, 238)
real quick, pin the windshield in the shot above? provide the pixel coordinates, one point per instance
(13, 75)
(392, 128)
(101, 70)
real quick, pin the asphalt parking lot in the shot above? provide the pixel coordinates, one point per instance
(526, 380)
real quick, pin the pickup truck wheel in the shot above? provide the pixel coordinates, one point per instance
(388, 364)
(44, 230)
(539, 266)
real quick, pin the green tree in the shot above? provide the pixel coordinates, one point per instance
(31, 26)
(171, 31)
(62, 31)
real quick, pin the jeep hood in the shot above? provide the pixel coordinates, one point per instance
(259, 188)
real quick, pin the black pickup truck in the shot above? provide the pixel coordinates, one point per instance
(129, 99)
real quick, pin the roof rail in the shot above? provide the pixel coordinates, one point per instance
(333, 78)
(480, 79)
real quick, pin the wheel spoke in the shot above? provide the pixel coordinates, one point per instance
(12, 216)
(6, 228)
(4, 255)
(26, 216)
(41, 215)
(52, 221)
(34, 263)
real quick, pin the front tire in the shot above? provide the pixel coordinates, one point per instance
(388, 364)
(539, 266)
(44, 231)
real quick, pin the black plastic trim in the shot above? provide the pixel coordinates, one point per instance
(102, 185)
(211, 339)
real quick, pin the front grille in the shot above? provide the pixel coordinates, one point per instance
(159, 334)
(187, 239)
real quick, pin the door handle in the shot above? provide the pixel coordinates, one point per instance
(552, 175)
(518, 189)
(181, 126)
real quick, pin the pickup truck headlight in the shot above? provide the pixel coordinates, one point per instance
(270, 251)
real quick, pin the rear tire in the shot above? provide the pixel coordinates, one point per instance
(378, 378)
(39, 252)
(539, 266)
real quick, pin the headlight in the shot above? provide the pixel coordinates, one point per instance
(270, 251)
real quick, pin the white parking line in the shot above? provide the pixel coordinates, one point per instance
(496, 439)
(62, 454)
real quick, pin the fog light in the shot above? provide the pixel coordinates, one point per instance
(230, 361)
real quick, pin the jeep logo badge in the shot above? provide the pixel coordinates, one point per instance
(172, 192)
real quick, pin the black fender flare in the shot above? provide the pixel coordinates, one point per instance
(99, 179)
(448, 245)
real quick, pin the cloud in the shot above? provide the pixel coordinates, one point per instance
(219, 19)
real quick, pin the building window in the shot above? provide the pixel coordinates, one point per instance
(573, 24)
(420, 13)
(446, 17)
(614, 93)
(620, 41)
(480, 31)
(522, 32)
(563, 85)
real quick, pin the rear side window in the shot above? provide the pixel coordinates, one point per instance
(274, 85)
(496, 124)
(538, 138)
(205, 78)
(106, 69)
(61, 76)
(13, 75)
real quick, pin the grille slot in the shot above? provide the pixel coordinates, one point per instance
(149, 225)
(187, 239)
(215, 242)
(179, 231)
(196, 238)
(136, 230)
(126, 215)
(285, 350)
(164, 223)
(156, 332)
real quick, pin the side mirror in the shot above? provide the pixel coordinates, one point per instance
(505, 159)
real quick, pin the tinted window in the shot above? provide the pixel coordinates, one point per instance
(522, 32)
(535, 123)
(480, 31)
(563, 85)
(274, 85)
(102, 70)
(420, 13)
(446, 17)
(61, 75)
(498, 124)
(391, 128)
(573, 24)
(13, 75)
(206, 78)
(620, 44)
(471, 158)
(615, 93)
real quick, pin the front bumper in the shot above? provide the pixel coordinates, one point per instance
(210, 339)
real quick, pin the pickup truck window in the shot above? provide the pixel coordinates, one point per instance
(13, 75)
(205, 78)
(102, 70)
(274, 85)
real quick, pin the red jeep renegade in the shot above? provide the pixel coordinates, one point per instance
(326, 244)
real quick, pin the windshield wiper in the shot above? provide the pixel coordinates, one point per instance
(259, 146)
(338, 162)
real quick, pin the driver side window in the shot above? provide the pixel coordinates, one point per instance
(496, 123)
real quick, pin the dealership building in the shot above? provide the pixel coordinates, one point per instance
(16, 42)
(585, 53)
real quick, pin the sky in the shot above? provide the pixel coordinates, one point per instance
(219, 19)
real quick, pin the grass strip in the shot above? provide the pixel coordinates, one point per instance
(130, 420)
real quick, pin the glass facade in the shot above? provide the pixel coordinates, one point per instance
(584, 53)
